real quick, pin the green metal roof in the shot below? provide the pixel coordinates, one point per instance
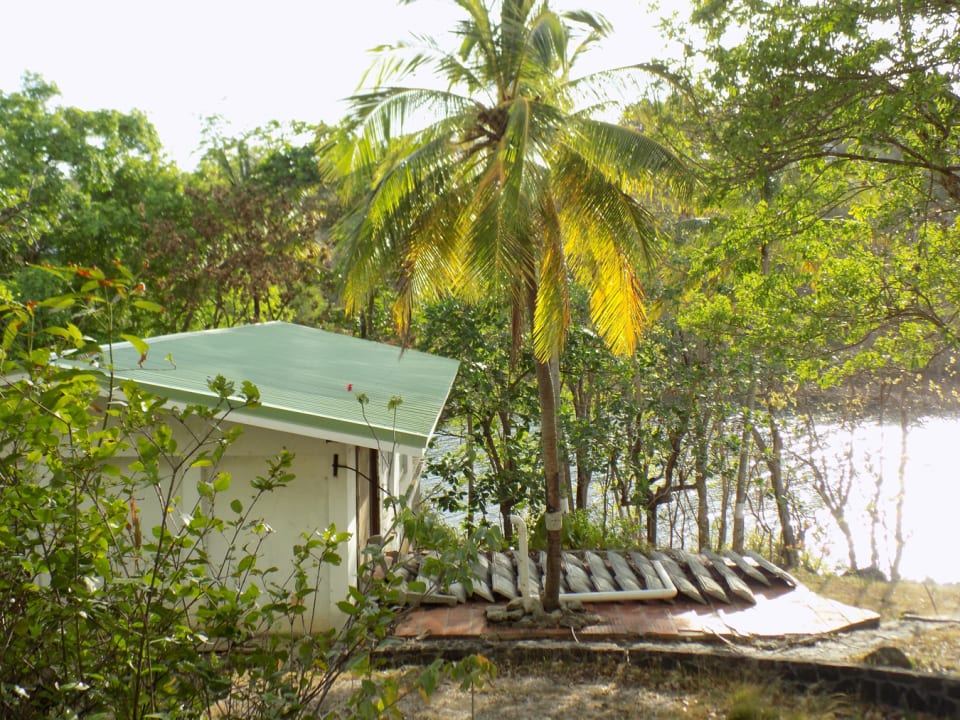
(308, 380)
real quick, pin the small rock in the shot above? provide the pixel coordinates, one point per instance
(868, 573)
(496, 614)
(888, 656)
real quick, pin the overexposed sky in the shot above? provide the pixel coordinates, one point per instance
(250, 62)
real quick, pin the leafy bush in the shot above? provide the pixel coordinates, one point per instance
(586, 530)
(105, 614)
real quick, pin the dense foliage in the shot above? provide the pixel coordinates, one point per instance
(811, 281)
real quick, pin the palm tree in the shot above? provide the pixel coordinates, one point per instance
(505, 189)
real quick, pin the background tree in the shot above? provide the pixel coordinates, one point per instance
(250, 244)
(854, 82)
(492, 408)
(75, 185)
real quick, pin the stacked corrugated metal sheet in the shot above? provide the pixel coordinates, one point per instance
(704, 577)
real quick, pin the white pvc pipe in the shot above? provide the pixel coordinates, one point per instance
(667, 592)
(664, 593)
(523, 560)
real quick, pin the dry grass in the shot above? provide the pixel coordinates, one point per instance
(935, 645)
(558, 691)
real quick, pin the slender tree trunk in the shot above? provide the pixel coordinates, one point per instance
(652, 525)
(583, 480)
(723, 525)
(874, 508)
(566, 487)
(835, 506)
(581, 408)
(740, 495)
(506, 510)
(902, 487)
(366, 318)
(774, 458)
(471, 460)
(551, 469)
(663, 494)
(700, 470)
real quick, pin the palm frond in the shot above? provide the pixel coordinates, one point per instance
(496, 186)
(385, 113)
(497, 245)
(608, 236)
(551, 318)
(629, 156)
(600, 26)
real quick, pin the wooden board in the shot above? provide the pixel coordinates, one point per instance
(737, 586)
(502, 577)
(703, 577)
(602, 579)
(564, 586)
(577, 577)
(622, 572)
(650, 577)
(678, 577)
(746, 568)
(778, 573)
(480, 570)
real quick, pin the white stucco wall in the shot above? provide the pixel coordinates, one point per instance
(312, 501)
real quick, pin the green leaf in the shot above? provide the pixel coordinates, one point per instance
(348, 608)
(70, 332)
(222, 481)
(429, 680)
(148, 305)
(58, 303)
(247, 562)
(138, 343)
(236, 506)
(40, 357)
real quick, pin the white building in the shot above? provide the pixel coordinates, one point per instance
(347, 455)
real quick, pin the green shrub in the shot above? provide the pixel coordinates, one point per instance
(106, 616)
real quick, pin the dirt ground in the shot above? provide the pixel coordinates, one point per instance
(922, 620)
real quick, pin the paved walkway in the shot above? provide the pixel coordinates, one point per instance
(779, 612)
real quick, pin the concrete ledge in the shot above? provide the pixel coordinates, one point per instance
(904, 689)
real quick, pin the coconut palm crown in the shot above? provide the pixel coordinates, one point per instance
(502, 185)
(508, 186)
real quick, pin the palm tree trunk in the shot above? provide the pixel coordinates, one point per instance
(551, 469)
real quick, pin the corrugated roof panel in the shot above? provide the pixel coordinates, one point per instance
(307, 377)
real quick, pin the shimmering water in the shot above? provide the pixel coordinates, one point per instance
(931, 504)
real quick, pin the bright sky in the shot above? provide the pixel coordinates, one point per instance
(250, 62)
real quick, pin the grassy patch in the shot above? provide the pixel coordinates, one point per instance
(935, 646)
